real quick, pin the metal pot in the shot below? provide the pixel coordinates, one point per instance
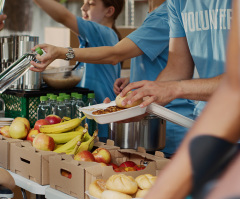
(149, 133)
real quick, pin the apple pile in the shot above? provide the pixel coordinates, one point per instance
(103, 156)
(128, 166)
(20, 129)
(99, 155)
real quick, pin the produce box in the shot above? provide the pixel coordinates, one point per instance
(83, 173)
(30, 162)
(5, 151)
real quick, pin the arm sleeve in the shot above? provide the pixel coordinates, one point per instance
(175, 22)
(152, 37)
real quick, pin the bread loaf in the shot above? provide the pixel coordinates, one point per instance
(109, 194)
(122, 183)
(145, 181)
(97, 187)
(119, 100)
(141, 193)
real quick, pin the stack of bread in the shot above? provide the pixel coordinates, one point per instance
(122, 186)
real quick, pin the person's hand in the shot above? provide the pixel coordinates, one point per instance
(106, 100)
(2, 18)
(120, 84)
(52, 53)
(157, 91)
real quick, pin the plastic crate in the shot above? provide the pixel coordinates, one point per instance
(21, 103)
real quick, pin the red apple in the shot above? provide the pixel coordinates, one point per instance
(66, 174)
(113, 165)
(102, 155)
(18, 130)
(139, 167)
(32, 134)
(43, 142)
(127, 164)
(130, 169)
(53, 119)
(5, 131)
(119, 169)
(40, 123)
(24, 120)
(84, 156)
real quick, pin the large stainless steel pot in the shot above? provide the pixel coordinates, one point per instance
(149, 133)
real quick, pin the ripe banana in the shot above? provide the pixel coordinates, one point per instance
(69, 145)
(79, 128)
(64, 119)
(61, 127)
(85, 145)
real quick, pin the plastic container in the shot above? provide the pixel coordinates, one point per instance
(112, 117)
(52, 102)
(78, 105)
(60, 108)
(92, 124)
(68, 105)
(43, 108)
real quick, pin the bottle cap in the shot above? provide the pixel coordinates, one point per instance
(62, 94)
(78, 96)
(39, 51)
(60, 99)
(73, 94)
(43, 98)
(53, 97)
(66, 97)
(49, 95)
(91, 95)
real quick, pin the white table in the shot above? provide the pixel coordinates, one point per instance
(55, 194)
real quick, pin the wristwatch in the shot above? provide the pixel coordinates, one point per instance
(70, 54)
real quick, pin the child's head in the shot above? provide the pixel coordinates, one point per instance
(102, 11)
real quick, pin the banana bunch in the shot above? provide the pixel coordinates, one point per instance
(73, 140)
(61, 127)
(87, 145)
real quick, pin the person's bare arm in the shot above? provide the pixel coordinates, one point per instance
(59, 13)
(220, 118)
(125, 49)
(175, 81)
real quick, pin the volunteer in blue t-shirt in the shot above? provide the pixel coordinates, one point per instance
(219, 121)
(95, 27)
(198, 35)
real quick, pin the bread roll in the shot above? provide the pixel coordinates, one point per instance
(109, 194)
(97, 187)
(141, 193)
(119, 100)
(145, 181)
(122, 183)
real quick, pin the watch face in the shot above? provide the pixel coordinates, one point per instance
(70, 55)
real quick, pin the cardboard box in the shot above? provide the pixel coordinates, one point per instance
(5, 151)
(83, 173)
(29, 162)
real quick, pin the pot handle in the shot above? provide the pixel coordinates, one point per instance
(169, 115)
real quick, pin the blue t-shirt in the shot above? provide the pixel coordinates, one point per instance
(98, 77)
(205, 24)
(153, 39)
